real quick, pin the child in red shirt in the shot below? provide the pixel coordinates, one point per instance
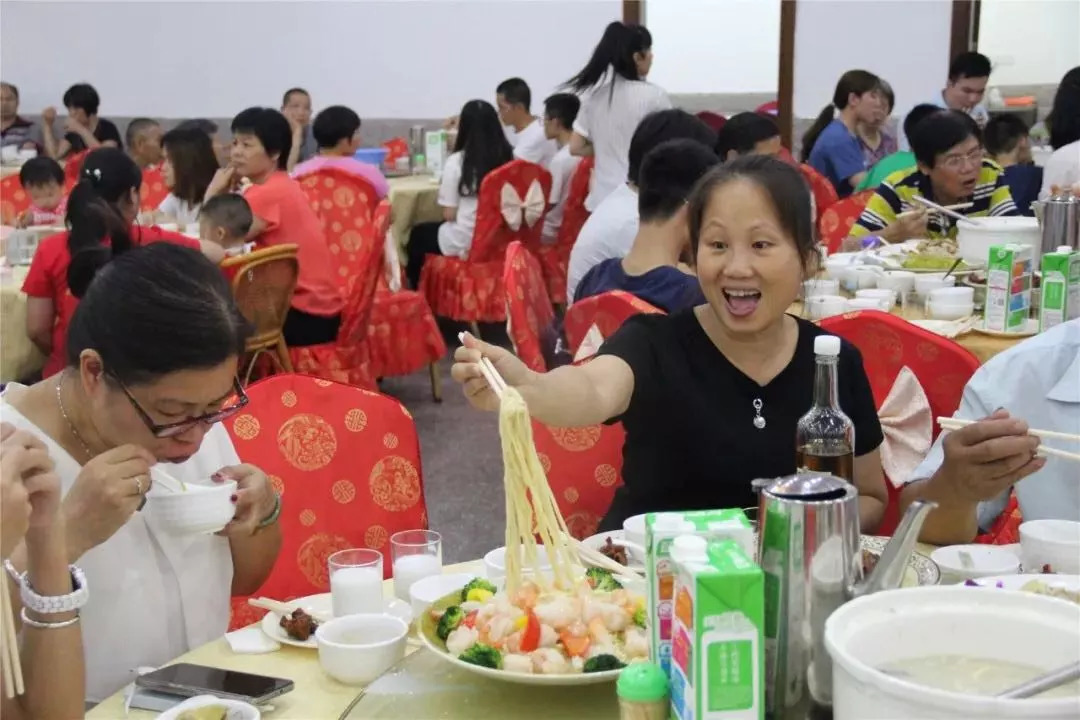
(42, 179)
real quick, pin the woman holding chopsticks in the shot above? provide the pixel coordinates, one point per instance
(51, 641)
(710, 396)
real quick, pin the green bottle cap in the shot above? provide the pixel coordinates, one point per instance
(642, 682)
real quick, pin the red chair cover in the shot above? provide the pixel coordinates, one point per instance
(823, 191)
(608, 311)
(555, 258)
(713, 120)
(395, 148)
(402, 335)
(584, 467)
(72, 166)
(153, 190)
(14, 201)
(1006, 529)
(471, 289)
(889, 343)
(347, 463)
(527, 304)
(770, 108)
(836, 221)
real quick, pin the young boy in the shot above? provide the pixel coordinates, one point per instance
(1006, 142)
(226, 220)
(560, 111)
(43, 180)
(337, 133)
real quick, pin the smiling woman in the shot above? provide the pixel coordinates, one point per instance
(692, 389)
(152, 352)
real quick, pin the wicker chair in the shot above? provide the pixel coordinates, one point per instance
(263, 284)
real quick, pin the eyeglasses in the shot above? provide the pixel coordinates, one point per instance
(958, 162)
(169, 430)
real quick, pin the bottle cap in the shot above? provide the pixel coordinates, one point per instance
(642, 682)
(1065, 249)
(688, 546)
(827, 345)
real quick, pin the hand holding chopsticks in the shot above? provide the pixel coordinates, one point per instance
(957, 423)
(949, 210)
(479, 357)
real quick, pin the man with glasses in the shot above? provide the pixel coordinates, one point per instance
(949, 170)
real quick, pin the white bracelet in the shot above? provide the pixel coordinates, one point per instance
(51, 604)
(30, 622)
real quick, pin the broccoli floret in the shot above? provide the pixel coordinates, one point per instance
(601, 663)
(602, 579)
(477, 584)
(639, 617)
(482, 655)
(449, 622)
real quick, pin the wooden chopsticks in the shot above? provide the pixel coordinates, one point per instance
(957, 423)
(494, 379)
(9, 638)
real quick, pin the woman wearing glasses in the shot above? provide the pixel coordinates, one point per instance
(151, 359)
(950, 169)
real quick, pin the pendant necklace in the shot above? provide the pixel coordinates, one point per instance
(759, 421)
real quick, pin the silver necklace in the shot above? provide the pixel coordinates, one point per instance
(71, 425)
(759, 421)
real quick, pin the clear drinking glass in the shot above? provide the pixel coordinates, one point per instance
(356, 581)
(415, 554)
(912, 306)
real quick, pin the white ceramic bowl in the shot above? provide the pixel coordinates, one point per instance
(1050, 542)
(1002, 625)
(200, 510)
(837, 265)
(868, 304)
(949, 311)
(986, 561)
(495, 562)
(932, 281)
(864, 277)
(886, 295)
(426, 591)
(820, 286)
(823, 306)
(974, 240)
(899, 281)
(237, 710)
(634, 530)
(953, 295)
(356, 649)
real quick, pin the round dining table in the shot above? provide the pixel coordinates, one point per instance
(19, 358)
(414, 199)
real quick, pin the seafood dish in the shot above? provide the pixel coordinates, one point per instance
(299, 625)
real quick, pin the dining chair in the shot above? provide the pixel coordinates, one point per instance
(263, 282)
(889, 343)
(397, 147)
(715, 121)
(72, 168)
(529, 312)
(821, 190)
(14, 201)
(607, 311)
(555, 258)
(511, 205)
(153, 190)
(347, 464)
(836, 221)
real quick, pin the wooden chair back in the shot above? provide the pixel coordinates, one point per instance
(263, 282)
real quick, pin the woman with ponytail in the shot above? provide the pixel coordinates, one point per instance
(831, 146)
(101, 213)
(619, 98)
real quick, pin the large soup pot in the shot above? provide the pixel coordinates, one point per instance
(975, 238)
(983, 623)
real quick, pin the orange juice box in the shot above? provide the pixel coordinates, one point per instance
(717, 648)
(661, 529)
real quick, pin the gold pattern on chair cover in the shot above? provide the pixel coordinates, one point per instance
(576, 439)
(395, 484)
(307, 441)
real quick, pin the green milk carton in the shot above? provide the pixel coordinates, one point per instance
(661, 529)
(717, 651)
(1060, 287)
(1009, 276)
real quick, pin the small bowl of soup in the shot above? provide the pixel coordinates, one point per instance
(194, 509)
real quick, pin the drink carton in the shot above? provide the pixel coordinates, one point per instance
(1060, 287)
(435, 151)
(661, 529)
(1008, 288)
(717, 658)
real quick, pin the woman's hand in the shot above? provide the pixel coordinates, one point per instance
(254, 498)
(224, 181)
(20, 454)
(108, 490)
(466, 370)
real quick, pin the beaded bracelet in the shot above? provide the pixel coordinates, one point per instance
(274, 514)
(51, 604)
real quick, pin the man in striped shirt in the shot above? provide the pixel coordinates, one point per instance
(950, 170)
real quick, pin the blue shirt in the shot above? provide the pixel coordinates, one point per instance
(1024, 183)
(838, 156)
(1039, 382)
(668, 288)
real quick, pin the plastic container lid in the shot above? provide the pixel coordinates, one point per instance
(827, 345)
(642, 682)
(671, 522)
(688, 546)
(1065, 249)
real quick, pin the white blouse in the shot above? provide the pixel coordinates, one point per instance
(153, 596)
(180, 210)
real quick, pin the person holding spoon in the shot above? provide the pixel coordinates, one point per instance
(150, 375)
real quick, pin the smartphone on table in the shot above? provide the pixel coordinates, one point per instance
(186, 680)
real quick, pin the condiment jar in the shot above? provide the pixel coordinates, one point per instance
(643, 692)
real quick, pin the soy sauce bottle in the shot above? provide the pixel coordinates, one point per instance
(825, 437)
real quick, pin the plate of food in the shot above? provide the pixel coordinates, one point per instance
(924, 256)
(921, 570)
(1031, 328)
(297, 627)
(610, 544)
(1066, 587)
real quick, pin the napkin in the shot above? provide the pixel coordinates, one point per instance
(251, 641)
(590, 344)
(907, 424)
(392, 261)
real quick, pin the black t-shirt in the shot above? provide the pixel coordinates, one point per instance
(105, 130)
(691, 442)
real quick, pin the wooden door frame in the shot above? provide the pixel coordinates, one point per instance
(632, 11)
(964, 34)
(785, 83)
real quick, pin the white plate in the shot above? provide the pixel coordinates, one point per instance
(598, 541)
(1032, 328)
(1017, 582)
(235, 709)
(944, 328)
(891, 257)
(321, 607)
(921, 570)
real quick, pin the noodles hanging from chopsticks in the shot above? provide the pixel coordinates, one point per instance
(530, 505)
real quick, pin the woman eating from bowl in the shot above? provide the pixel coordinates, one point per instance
(51, 637)
(152, 354)
(190, 165)
(710, 396)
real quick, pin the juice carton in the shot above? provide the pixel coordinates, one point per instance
(435, 151)
(1008, 287)
(1060, 287)
(717, 658)
(661, 529)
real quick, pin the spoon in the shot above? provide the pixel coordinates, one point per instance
(1042, 683)
(954, 266)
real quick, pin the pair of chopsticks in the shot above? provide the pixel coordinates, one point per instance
(9, 639)
(600, 560)
(171, 483)
(949, 210)
(282, 609)
(487, 369)
(957, 423)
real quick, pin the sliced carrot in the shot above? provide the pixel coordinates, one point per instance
(576, 646)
